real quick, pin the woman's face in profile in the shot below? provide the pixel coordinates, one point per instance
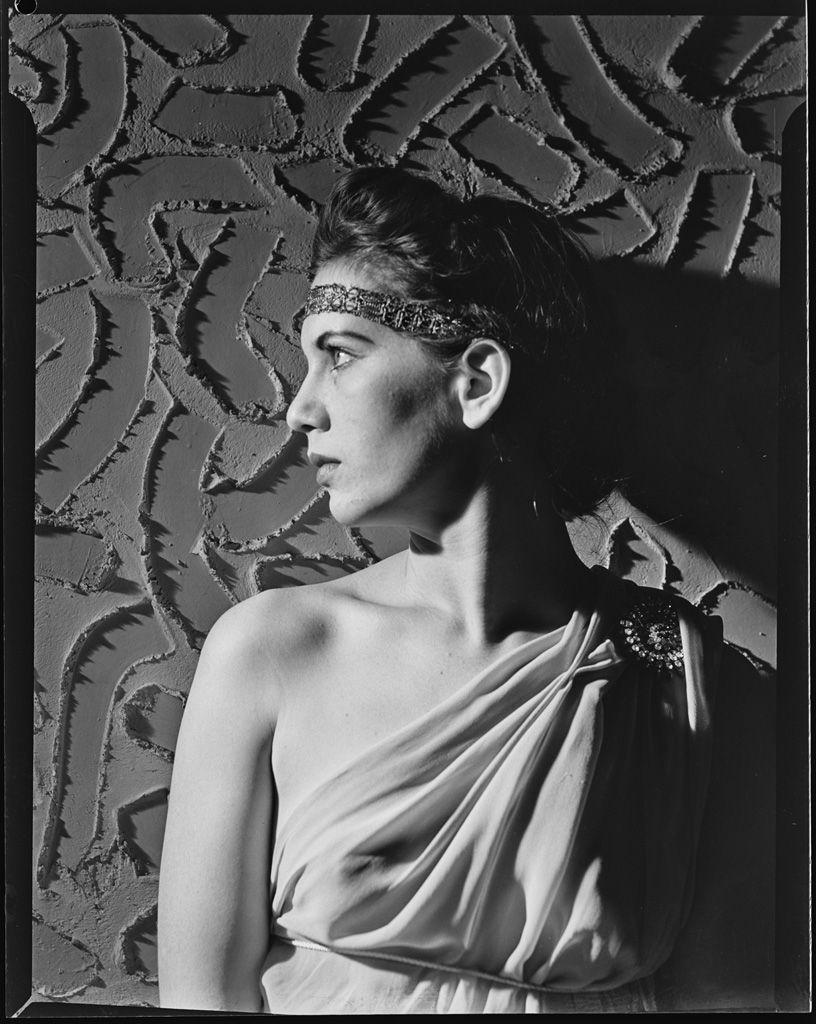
(377, 411)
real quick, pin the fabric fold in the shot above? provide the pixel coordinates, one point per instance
(539, 826)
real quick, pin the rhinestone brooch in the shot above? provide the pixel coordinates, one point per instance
(650, 632)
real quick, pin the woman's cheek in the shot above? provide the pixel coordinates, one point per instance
(419, 397)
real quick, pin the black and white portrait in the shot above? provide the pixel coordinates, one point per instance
(418, 410)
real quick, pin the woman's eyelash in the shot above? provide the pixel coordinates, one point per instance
(336, 353)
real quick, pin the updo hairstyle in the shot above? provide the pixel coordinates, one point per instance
(521, 278)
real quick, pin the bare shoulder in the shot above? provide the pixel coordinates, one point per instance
(268, 642)
(269, 626)
(260, 638)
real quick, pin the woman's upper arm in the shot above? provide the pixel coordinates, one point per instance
(213, 928)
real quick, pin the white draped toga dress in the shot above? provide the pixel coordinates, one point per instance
(526, 846)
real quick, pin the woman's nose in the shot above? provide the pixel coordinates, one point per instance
(305, 411)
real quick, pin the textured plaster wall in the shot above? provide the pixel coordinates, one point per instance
(181, 162)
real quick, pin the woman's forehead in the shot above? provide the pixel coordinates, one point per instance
(338, 322)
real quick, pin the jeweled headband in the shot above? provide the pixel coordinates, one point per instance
(385, 309)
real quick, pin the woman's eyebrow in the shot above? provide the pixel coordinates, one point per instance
(321, 339)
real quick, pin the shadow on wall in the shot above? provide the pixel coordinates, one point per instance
(702, 354)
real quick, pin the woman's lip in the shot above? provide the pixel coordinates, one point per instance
(325, 470)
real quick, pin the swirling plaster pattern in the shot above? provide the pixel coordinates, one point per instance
(182, 160)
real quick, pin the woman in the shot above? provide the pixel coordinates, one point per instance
(472, 776)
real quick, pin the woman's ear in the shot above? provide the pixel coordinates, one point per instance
(481, 380)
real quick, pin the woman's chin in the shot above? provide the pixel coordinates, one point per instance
(355, 513)
(347, 513)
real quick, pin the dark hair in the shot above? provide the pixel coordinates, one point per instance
(520, 277)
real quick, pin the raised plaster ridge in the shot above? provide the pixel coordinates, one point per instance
(126, 810)
(50, 838)
(331, 26)
(650, 162)
(742, 232)
(754, 55)
(613, 78)
(115, 703)
(83, 386)
(113, 440)
(570, 174)
(65, 285)
(61, 114)
(37, 69)
(402, 67)
(179, 90)
(125, 952)
(142, 702)
(219, 50)
(73, 114)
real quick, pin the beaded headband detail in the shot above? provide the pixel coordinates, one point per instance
(382, 308)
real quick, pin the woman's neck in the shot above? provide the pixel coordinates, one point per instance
(502, 566)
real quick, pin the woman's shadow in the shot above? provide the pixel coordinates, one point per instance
(701, 355)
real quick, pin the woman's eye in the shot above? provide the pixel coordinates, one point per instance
(339, 357)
